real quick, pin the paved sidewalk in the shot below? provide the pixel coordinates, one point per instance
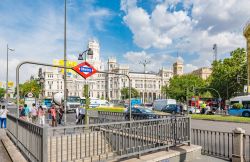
(205, 158)
(4, 157)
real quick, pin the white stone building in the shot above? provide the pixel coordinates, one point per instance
(107, 85)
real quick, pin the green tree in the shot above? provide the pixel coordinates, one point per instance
(30, 86)
(125, 93)
(182, 86)
(225, 72)
(2, 92)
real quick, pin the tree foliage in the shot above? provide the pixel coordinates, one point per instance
(2, 92)
(30, 86)
(225, 72)
(182, 86)
(125, 93)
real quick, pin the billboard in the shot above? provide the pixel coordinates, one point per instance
(68, 64)
(10, 84)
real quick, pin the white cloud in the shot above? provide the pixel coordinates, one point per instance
(38, 35)
(157, 29)
(210, 22)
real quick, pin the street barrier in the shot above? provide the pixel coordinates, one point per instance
(30, 139)
(98, 142)
(227, 145)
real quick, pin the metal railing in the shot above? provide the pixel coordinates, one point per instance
(215, 143)
(98, 142)
(30, 139)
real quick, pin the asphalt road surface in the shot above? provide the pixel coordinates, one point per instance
(219, 126)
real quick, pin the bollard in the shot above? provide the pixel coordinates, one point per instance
(237, 155)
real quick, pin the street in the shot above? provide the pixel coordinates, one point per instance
(219, 125)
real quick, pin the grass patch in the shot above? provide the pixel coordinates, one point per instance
(221, 118)
(110, 109)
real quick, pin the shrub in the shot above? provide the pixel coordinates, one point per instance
(237, 106)
(110, 109)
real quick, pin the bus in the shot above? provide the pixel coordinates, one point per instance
(245, 101)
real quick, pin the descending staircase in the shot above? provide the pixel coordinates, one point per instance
(90, 146)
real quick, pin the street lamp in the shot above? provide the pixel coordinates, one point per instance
(7, 73)
(144, 63)
(89, 51)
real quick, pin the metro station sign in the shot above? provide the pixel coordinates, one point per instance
(84, 69)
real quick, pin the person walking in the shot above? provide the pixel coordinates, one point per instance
(77, 115)
(33, 113)
(26, 112)
(81, 115)
(60, 115)
(53, 115)
(3, 116)
(41, 115)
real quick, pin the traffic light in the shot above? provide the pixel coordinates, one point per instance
(238, 79)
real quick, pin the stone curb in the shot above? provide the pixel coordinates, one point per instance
(12, 151)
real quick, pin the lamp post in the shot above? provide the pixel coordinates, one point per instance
(41, 83)
(144, 63)
(65, 61)
(7, 75)
(89, 51)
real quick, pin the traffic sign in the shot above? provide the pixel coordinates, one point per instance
(84, 69)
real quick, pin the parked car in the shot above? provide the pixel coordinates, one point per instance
(141, 113)
(147, 105)
(172, 108)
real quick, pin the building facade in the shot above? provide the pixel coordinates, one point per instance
(203, 72)
(107, 86)
(178, 67)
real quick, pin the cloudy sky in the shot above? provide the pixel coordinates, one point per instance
(130, 30)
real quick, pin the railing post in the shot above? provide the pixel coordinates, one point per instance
(44, 151)
(237, 155)
(189, 130)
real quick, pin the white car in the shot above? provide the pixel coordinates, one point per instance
(11, 103)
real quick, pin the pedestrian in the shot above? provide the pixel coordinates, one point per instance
(208, 110)
(26, 112)
(60, 115)
(81, 115)
(53, 115)
(77, 115)
(3, 116)
(33, 113)
(203, 107)
(41, 115)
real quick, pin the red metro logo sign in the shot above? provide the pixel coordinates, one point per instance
(84, 69)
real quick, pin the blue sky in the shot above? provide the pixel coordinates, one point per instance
(130, 30)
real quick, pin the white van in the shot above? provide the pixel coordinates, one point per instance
(161, 103)
(96, 102)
